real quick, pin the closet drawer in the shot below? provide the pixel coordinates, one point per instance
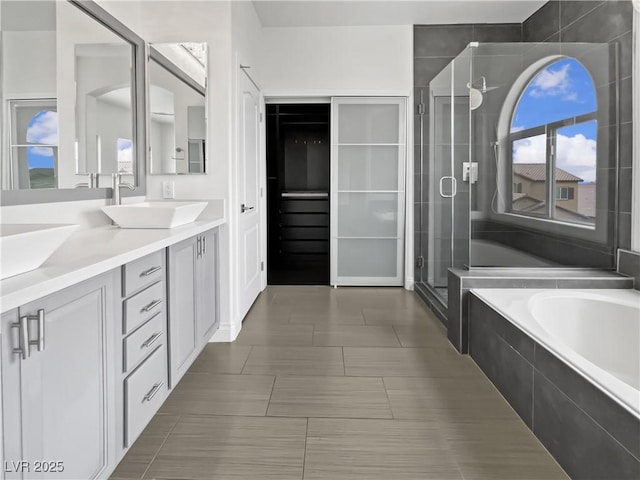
(142, 342)
(143, 306)
(140, 273)
(144, 391)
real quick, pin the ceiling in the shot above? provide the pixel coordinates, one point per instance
(319, 13)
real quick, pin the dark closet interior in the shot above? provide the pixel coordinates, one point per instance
(298, 156)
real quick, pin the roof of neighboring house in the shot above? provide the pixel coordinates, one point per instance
(538, 172)
(520, 205)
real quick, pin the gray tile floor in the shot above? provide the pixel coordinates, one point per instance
(348, 383)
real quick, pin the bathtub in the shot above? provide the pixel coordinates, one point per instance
(595, 332)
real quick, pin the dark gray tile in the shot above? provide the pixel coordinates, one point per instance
(508, 370)
(625, 54)
(625, 190)
(626, 145)
(624, 230)
(579, 444)
(425, 69)
(629, 264)
(626, 100)
(521, 342)
(606, 148)
(509, 282)
(454, 312)
(606, 22)
(441, 40)
(585, 283)
(620, 424)
(572, 10)
(543, 23)
(497, 32)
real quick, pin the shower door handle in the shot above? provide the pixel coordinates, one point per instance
(454, 187)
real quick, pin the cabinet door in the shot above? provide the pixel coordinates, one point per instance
(65, 388)
(182, 291)
(208, 287)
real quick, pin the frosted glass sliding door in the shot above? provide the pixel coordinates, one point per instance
(368, 150)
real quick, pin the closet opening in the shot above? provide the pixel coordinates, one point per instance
(298, 178)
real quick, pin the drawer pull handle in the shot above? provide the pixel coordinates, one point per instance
(151, 271)
(151, 340)
(151, 306)
(152, 393)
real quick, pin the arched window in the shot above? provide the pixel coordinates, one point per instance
(553, 137)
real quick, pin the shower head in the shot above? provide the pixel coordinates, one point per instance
(480, 84)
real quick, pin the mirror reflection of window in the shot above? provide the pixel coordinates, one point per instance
(34, 144)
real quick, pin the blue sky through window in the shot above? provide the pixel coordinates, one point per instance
(42, 130)
(563, 89)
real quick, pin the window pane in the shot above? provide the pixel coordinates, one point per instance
(575, 175)
(125, 155)
(564, 89)
(34, 167)
(529, 175)
(35, 124)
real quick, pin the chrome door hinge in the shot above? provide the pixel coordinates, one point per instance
(260, 117)
(420, 261)
(262, 266)
(421, 109)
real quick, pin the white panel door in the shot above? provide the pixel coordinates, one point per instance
(249, 201)
(368, 150)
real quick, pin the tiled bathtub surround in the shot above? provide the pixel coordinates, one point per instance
(461, 281)
(629, 264)
(590, 435)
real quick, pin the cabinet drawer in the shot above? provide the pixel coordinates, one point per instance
(141, 342)
(144, 390)
(143, 272)
(143, 306)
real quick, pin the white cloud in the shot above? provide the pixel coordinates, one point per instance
(553, 83)
(517, 128)
(576, 155)
(41, 151)
(44, 129)
(530, 150)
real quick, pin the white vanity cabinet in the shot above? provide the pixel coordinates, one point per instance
(192, 291)
(59, 385)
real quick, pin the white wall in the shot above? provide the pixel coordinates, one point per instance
(197, 21)
(340, 60)
(326, 61)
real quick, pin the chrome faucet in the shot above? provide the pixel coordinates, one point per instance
(116, 186)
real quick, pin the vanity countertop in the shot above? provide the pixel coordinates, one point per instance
(91, 252)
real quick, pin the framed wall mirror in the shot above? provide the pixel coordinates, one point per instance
(177, 108)
(73, 101)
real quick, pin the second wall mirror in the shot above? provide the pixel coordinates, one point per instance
(177, 108)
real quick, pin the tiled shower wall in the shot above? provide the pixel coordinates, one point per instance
(434, 47)
(602, 21)
(556, 21)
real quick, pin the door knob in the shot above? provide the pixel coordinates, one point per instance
(244, 208)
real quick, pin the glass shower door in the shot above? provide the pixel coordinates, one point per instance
(448, 223)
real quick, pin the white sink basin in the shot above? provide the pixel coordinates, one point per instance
(26, 247)
(154, 214)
